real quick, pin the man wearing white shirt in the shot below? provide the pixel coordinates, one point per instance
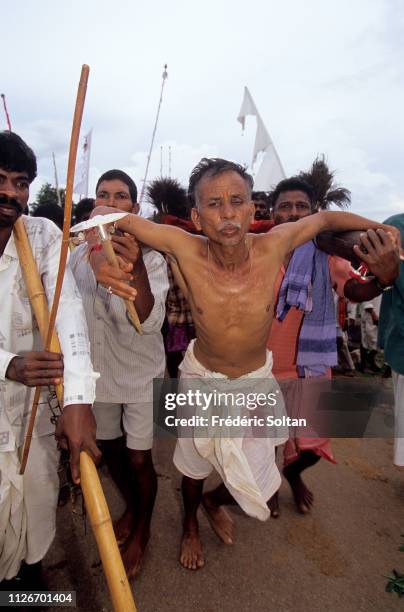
(128, 362)
(28, 502)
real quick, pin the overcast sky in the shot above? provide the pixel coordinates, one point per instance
(327, 77)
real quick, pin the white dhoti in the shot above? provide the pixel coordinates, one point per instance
(27, 505)
(244, 460)
(398, 385)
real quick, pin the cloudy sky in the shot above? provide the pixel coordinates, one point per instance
(327, 77)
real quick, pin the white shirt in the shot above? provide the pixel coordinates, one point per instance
(127, 361)
(19, 332)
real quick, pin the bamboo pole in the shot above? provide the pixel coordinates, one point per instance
(101, 524)
(113, 261)
(36, 292)
(96, 504)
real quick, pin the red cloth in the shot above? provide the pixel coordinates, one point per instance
(256, 227)
(185, 224)
(262, 226)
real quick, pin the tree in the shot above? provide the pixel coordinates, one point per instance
(326, 192)
(48, 195)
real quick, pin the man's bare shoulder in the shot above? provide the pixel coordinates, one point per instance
(186, 245)
(265, 243)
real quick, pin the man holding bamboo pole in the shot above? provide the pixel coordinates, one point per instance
(28, 502)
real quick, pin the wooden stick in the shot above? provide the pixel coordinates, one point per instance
(101, 524)
(74, 141)
(93, 494)
(130, 307)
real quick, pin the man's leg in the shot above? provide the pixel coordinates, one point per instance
(302, 495)
(188, 461)
(191, 556)
(273, 503)
(220, 520)
(138, 424)
(115, 455)
(143, 496)
(113, 447)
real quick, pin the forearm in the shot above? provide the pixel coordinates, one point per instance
(337, 221)
(152, 234)
(293, 235)
(144, 299)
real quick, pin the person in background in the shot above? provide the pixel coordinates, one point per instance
(50, 211)
(128, 363)
(83, 209)
(261, 204)
(391, 340)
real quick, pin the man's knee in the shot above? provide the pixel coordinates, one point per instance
(140, 459)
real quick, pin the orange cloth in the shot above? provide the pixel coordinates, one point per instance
(283, 342)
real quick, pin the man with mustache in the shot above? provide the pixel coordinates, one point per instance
(228, 278)
(28, 502)
(292, 199)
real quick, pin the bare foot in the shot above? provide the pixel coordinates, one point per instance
(133, 552)
(302, 495)
(219, 519)
(124, 526)
(273, 505)
(191, 556)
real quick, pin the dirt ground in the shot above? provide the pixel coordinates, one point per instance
(332, 560)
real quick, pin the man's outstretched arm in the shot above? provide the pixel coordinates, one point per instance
(165, 238)
(292, 235)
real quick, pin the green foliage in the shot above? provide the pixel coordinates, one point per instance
(395, 582)
(48, 195)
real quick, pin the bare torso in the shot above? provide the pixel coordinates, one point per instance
(232, 310)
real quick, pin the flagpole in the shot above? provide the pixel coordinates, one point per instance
(6, 112)
(169, 161)
(164, 76)
(56, 180)
(161, 161)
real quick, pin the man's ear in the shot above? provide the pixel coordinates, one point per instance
(136, 208)
(195, 216)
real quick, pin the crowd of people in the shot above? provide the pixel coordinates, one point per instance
(231, 289)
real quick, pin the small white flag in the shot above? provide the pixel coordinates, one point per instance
(83, 168)
(271, 170)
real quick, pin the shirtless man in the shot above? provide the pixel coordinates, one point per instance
(227, 277)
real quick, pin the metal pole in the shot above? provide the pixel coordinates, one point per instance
(6, 112)
(56, 180)
(164, 76)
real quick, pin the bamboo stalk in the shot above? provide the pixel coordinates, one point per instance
(101, 524)
(130, 307)
(36, 291)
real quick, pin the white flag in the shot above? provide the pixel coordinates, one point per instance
(83, 168)
(271, 170)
